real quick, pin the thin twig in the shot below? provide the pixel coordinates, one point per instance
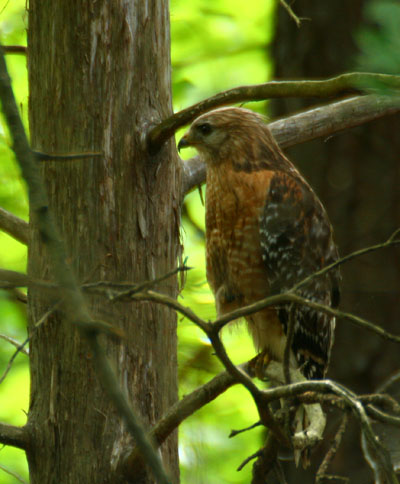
(15, 343)
(383, 400)
(249, 459)
(266, 461)
(15, 49)
(11, 361)
(177, 414)
(237, 432)
(41, 156)
(333, 478)
(288, 345)
(172, 303)
(290, 297)
(12, 473)
(386, 401)
(375, 454)
(143, 286)
(321, 473)
(222, 321)
(389, 382)
(14, 226)
(289, 10)
(279, 473)
(371, 410)
(265, 413)
(390, 242)
(17, 295)
(377, 414)
(354, 82)
(20, 347)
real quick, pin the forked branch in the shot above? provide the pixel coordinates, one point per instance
(345, 84)
(311, 124)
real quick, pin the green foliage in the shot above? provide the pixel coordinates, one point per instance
(218, 46)
(379, 40)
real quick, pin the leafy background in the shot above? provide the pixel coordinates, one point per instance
(214, 47)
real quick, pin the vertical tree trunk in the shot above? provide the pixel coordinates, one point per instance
(99, 73)
(356, 174)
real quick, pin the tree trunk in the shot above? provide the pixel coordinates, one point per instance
(99, 73)
(356, 175)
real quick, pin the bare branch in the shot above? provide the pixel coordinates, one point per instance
(212, 332)
(390, 242)
(288, 296)
(321, 473)
(40, 156)
(266, 461)
(21, 346)
(11, 279)
(14, 226)
(17, 295)
(190, 404)
(311, 124)
(75, 305)
(386, 401)
(377, 457)
(240, 431)
(15, 343)
(143, 286)
(288, 345)
(172, 303)
(177, 414)
(257, 454)
(15, 49)
(11, 361)
(383, 400)
(389, 382)
(240, 376)
(377, 414)
(12, 473)
(354, 82)
(291, 297)
(289, 10)
(14, 436)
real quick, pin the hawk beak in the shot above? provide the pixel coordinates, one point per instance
(183, 143)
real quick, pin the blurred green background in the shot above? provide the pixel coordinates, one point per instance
(215, 46)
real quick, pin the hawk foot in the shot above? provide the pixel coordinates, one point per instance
(258, 365)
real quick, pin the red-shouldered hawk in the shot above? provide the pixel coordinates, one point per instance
(266, 230)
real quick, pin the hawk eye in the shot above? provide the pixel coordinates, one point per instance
(204, 128)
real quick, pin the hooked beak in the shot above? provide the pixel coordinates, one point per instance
(183, 143)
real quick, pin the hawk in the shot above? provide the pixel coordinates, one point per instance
(266, 230)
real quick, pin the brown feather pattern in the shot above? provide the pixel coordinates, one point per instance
(265, 231)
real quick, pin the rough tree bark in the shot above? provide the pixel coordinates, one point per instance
(99, 72)
(357, 176)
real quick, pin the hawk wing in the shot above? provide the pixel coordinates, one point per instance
(296, 241)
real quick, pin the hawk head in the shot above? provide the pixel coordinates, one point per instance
(234, 135)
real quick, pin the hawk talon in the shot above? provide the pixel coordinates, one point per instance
(259, 364)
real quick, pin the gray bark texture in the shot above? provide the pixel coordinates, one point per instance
(99, 75)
